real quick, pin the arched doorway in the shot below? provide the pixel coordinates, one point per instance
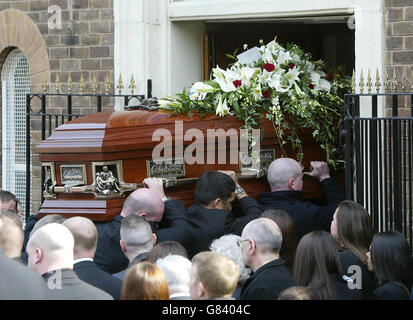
(15, 77)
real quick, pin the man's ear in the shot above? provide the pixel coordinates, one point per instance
(252, 247)
(122, 246)
(290, 184)
(143, 215)
(154, 238)
(201, 290)
(38, 255)
(217, 203)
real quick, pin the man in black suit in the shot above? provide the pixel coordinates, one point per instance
(85, 235)
(136, 240)
(50, 253)
(211, 215)
(285, 178)
(260, 246)
(167, 219)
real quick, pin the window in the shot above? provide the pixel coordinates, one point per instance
(15, 84)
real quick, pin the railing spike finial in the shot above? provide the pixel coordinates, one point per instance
(404, 81)
(361, 84)
(132, 85)
(394, 82)
(107, 84)
(411, 79)
(120, 84)
(69, 84)
(45, 85)
(369, 82)
(386, 81)
(94, 84)
(82, 84)
(353, 82)
(377, 83)
(57, 83)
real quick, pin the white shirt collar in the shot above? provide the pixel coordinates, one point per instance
(82, 259)
(179, 294)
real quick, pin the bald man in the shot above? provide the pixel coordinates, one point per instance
(166, 217)
(85, 236)
(261, 242)
(50, 254)
(285, 178)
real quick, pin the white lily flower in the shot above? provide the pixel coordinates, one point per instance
(246, 75)
(222, 108)
(163, 103)
(223, 78)
(283, 57)
(315, 77)
(324, 85)
(276, 83)
(256, 92)
(292, 74)
(199, 90)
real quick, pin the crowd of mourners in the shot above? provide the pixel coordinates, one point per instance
(226, 245)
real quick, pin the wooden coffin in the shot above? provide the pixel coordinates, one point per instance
(116, 148)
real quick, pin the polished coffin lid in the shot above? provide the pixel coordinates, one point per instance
(123, 141)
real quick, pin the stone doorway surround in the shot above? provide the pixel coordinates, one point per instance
(17, 30)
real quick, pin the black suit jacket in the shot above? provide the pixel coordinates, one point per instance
(173, 226)
(90, 273)
(17, 282)
(142, 257)
(267, 282)
(64, 284)
(210, 224)
(307, 216)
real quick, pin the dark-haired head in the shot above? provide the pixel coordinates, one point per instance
(352, 228)
(315, 260)
(214, 186)
(391, 258)
(165, 248)
(287, 227)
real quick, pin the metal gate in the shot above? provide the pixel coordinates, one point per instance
(379, 157)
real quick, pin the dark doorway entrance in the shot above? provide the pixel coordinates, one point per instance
(327, 38)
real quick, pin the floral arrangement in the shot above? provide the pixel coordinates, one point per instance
(282, 84)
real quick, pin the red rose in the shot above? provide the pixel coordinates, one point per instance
(291, 65)
(237, 83)
(269, 67)
(265, 93)
(311, 85)
(329, 77)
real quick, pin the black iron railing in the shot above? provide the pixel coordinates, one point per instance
(379, 158)
(51, 120)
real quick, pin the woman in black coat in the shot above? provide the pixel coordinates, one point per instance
(317, 267)
(353, 231)
(390, 259)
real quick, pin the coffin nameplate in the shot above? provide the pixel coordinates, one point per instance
(168, 169)
(246, 162)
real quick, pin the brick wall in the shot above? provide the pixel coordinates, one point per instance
(399, 46)
(83, 46)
